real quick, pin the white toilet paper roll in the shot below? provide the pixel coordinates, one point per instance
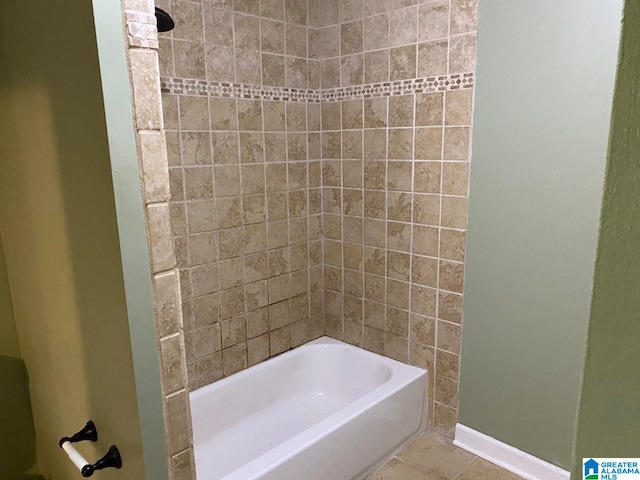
(78, 460)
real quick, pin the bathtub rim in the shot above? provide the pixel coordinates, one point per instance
(402, 375)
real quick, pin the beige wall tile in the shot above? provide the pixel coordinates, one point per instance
(463, 55)
(399, 236)
(144, 74)
(451, 276)
(194, 113)
(371, 7)
(166, 291)
(159, 231)
(424, 271)
(296, 72)
(251, 147)
(173, 368)
(402, 62)
(449, 337)
(396, 347)
(225, 147)
(234, 359)
(454, 212)
(375, 314)
(279, 340)
(257, 350)
(459, 105)
(248, 63)
(188, 21)
(376, 66)
(434, 20)
(423, 300)
(429, 109)
(296, 41)
(296, 11)
(456, 143)
(272, 9)
(450, 307)
(401, 111)
(181, 468)
(218, 26)
(427, 177)
(189, 59)
(219, 62)
(352, 70)
(177, 415)
(375, 260)
(351, 9)
(398, 265)
(374, 340)
(399, 206)
(452, 244)
(428, 143)
(433, 58)
(351, 37)
(423, 330)
(376, 32)
(273, 70)
(455, 178)
(403, 26)
(154, 164)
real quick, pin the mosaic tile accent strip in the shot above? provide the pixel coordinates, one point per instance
(443, 83)
(142, 30)
(237, 90)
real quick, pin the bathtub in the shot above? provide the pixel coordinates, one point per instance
(323, 411)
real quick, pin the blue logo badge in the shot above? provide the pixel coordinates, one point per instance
(591, 469)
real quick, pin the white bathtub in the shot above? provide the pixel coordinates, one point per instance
(323, 411)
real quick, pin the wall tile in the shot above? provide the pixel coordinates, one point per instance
(159, 231)
(358, 218)
(403, 26)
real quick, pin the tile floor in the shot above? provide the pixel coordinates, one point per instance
(433, 457)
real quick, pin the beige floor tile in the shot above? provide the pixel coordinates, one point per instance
(437, 456)
(480, 469)
(397, 470)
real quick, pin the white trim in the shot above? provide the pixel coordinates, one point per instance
(506, 456)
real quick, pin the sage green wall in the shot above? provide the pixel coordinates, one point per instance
(609, 418)
(8, 336)
(544, 90)
(60, 234)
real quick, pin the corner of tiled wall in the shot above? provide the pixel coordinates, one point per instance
(243, 120)
(397, 91)
(142, 54)
(383, 93)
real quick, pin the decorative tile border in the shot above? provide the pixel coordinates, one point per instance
(142, 30)
(443, 83)
(237, 90)
(400, 87)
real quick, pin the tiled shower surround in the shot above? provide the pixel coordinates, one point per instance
(318, 157)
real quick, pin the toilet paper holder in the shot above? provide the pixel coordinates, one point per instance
(89, 432)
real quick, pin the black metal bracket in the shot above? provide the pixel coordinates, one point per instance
(89, 432)
(111, 459)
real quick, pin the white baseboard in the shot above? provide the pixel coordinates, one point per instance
(508, 457)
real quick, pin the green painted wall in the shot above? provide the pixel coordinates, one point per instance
(117, 96)
(58, 217)
(609, 417)
(544, 91)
